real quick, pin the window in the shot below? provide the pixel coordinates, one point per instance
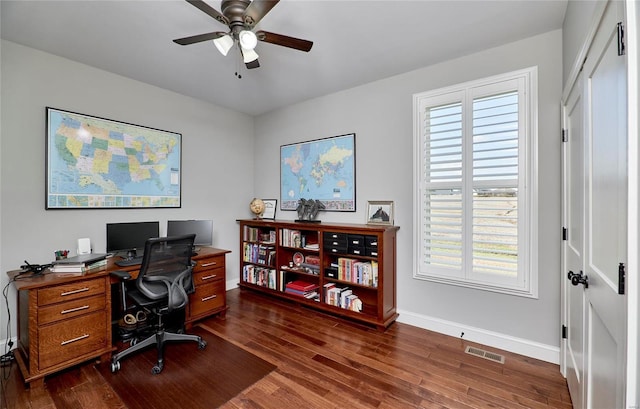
(474, 187)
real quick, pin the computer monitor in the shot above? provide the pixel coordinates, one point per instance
(130, 237)
(203, 230)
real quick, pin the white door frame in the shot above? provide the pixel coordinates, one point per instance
(633, 234)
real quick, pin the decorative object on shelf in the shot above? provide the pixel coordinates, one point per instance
(308, 210)
(380, 212)
(322, 168)
(270, 206)
(95, 162)
(257, 208)
(298, 259)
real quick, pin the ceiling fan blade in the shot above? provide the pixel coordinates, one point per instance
(199, 38)
(252, 64)
(257, 10)
(285, 41)
(209, 10)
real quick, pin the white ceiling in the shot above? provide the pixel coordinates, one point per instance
(355, 42)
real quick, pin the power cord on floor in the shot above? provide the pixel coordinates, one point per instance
(6, 359)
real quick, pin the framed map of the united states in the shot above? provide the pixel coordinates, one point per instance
(95, 162)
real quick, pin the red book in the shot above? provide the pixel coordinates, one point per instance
(301, 285)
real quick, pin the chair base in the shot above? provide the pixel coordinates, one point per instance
(158, 339)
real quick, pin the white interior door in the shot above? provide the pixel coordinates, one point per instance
(574, 197)
(595, 176)
(606, 209)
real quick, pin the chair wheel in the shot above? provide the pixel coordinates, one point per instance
(156, 369)
(115, 366)
(202, 343)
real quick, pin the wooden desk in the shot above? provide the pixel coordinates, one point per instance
(63, 321)
(209, 277)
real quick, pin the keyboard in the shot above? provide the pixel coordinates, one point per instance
(134, 261)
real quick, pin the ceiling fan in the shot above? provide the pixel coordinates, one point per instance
(241, 16)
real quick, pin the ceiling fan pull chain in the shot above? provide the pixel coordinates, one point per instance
(238, 67)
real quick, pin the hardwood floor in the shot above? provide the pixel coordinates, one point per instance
(326, 362)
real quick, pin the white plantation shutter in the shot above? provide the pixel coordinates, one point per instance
(473, 204)
(442, 199)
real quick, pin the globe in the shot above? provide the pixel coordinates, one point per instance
(257, 207)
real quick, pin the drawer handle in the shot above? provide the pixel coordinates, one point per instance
(74, 339)
(81, 290)
(84, 307)
(209, 277)
(211, 297)
(213, 263)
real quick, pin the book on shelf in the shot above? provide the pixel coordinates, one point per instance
(342, 297)
(311, 259)
(302, 289)
(290, 238)
(311, 268)
(301, 285)
(259, 253)
(357, 272)
(264, 277)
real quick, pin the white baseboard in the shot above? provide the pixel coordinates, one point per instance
(231, 284)
(548, 353)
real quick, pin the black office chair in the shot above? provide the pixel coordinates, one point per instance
(163, 285)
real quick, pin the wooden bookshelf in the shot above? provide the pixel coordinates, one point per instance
(348, 270)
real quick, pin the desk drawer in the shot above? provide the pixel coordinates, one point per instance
(209, 263)
(70, 309)
(207, 298)
(71, 291)
(72, 338)
(208, 276)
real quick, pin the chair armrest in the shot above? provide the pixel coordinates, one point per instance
(122, 275)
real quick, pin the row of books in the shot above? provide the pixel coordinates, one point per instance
(261, 276)
(259, 253)
(256, 234)
(302, 289)
(342, 297)
(294, 238)
(357, 272)
(75, 266)
(290, 238)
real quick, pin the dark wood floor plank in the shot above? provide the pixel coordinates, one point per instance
(326, 362)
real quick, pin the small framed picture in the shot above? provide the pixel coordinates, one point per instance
(269, 209)
(380, 212)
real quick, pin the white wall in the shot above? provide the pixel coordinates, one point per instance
(217, 170)
(380, 113)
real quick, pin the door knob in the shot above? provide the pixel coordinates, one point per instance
(578, 279)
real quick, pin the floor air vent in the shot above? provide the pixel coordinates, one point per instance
(491, 356)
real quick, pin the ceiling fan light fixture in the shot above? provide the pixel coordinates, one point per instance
(224, 44)
(248, 55)
(247, 39)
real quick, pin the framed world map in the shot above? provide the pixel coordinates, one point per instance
(321, 169)
(94, 162)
